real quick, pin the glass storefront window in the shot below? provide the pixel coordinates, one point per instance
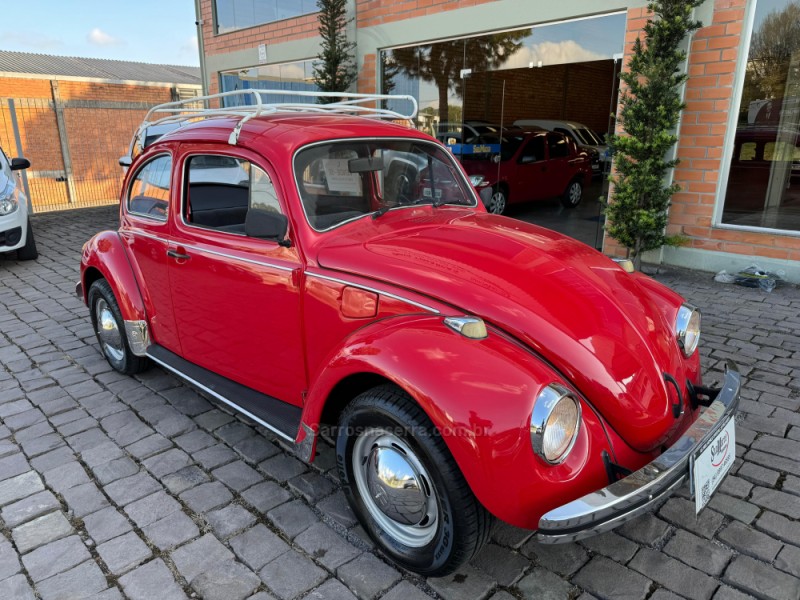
(763, 188)
(295, 76)
(239, 14)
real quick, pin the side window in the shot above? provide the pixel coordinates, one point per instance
(558, 145)
(149, 192)
(221, 189)
(534, 151)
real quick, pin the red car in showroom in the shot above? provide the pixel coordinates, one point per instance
(323, 271)
(525, 166)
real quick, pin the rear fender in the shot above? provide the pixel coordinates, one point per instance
(479, 395)
(105, 254)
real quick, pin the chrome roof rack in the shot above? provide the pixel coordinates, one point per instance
(191, 109)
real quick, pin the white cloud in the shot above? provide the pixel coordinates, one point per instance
(98, 37)
(551, 53)
(29, 40)
(190, 46)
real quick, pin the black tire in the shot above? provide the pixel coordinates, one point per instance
(499, 200)
(462, 525)
(28, 251)
(123, 360)
(573, 194)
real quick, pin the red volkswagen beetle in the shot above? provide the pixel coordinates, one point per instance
(322, 271)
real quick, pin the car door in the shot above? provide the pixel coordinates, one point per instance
(559, 169)
(236, 297)
(531, 180)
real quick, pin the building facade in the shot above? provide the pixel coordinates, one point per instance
(500, 61)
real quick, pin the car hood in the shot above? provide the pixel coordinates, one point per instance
(574, 307)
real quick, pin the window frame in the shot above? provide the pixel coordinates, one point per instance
(216, 21)
(133, 179)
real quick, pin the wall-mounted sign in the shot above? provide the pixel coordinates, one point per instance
(262, 54)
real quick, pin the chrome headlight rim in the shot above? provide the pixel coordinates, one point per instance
(7, 198)
(543, 408)
(688, 328)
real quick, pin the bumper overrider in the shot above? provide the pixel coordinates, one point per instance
(635, 494)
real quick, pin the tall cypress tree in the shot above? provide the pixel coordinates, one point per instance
(336, 68)
(651, 108)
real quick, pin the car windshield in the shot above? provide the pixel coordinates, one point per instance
(589, 137)
(343, 180)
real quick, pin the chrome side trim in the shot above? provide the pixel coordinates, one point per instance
(138, 337)
(627, 498)
(374, 290)
(221, 398)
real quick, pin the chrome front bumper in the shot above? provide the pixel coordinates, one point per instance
(627, 498)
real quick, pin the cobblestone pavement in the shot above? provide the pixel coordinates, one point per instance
(112, 486)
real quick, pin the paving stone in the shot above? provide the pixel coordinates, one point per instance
(757, 474)
(466, 582)
(87, 439)
(326, 546)
(681, 512)
(725, 592)
(84, 499)
(41, 531)
(195, 440)
(266, 495)
(503, 533)
(55, 558)
(647, 529)
(129, 489)
(227, 581)
(115, 469)
(258, 546)
(238, 476)
(54, 458)
(282, 467)
(776, 501)
(312, 486)
(105, 524)
(206, 496)
(789, 560)
(9, 562)
(761, 580)
(213, 419)
(749, 541)
(255, 449)
(109, 594)
(673, 575)
(608, 579)
(407, 591)
(791, 484)
(29, 508)
(233, 433)
(16, 587)
(215, 456)
(229, 520)
(779, 527)
(564, 559)
(151, 580)
(13, 465)
(334, 590)
(123, 553)
(21, 486)
(612, 545)
(66, 476)
(184, 479)
(171, 531)
(544, 585)
(167, 462)
(662, 594)
(734, 507)
(291, 574)
(501, 564)
(83, 581)
(292, 518)
(698, 552)
(24, 419)
(151, 508)
(149, 446)
(98, 455)
(200, 555)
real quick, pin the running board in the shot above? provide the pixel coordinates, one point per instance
(279, 417)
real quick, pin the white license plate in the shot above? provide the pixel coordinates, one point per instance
(712, 462)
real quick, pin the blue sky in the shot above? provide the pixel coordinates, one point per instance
(154, 31)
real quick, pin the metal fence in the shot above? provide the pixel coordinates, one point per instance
(74, 148)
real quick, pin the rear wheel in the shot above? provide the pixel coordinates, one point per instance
(109, 328)
(404, 485)
(497, 203)
(28, 251)
(573, 194)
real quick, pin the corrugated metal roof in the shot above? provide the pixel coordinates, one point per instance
(98, 68)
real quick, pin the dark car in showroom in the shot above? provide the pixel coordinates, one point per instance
(529, 165)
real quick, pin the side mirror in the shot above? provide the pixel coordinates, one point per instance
(267, 225)
(20, 163)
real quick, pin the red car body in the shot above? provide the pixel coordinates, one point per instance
(342, 309)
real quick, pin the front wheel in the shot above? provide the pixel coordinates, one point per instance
(109, 328)
(497, 203)
(28, 251)
(404, 485)
(573, 194)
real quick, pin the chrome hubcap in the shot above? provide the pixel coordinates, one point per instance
(395, 487)
(575, 193)
(498, 203)
(108, 331)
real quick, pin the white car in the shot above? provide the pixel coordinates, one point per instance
(15, 224)
(584, 136)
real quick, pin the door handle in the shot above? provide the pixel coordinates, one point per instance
(178, 255)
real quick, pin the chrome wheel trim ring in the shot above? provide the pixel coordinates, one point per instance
(108, 331)
(413, 536)
(575, 193)
(497, 204)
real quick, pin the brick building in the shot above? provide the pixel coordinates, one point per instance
(75, 118)
(500, 60)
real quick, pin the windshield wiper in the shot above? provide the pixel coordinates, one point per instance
(381, 211)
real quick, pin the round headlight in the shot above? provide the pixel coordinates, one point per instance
(555, 423)
(687, 329)
(7, 205)
(476, 180)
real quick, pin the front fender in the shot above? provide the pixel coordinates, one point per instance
(105, 254)
(479, 394)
